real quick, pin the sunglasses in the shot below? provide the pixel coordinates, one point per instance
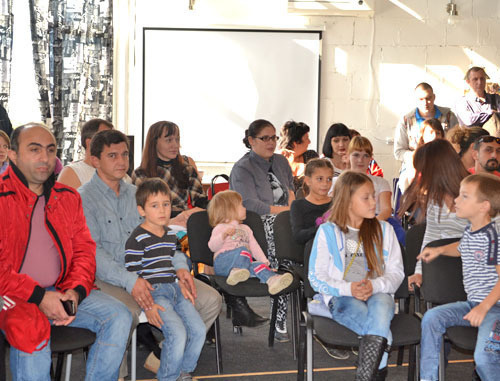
(488, 139)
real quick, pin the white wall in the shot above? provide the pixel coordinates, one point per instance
(370, 65)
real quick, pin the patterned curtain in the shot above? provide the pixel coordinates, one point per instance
(73, 55)
(6, 20)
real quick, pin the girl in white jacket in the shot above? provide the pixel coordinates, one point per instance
(356, 266)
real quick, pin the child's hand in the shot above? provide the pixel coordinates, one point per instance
(414, 279)
(362, 290)
(153, 315)
(229, 232)
(368, 288)
(476, 315)
(429, 254)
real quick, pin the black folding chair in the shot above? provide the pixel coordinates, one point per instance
(405, 329)
(442, 283)
(288, 249)
(199, 232)
(63, 342)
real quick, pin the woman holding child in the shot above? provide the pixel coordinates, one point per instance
(265, 181)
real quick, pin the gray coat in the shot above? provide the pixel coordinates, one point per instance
(249, 177)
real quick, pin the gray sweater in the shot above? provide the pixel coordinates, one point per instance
(249, 177)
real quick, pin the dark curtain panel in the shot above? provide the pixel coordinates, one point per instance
(73, 55)
(6, 20)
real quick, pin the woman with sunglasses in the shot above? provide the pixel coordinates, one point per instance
(265, 181)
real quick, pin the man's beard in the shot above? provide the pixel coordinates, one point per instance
(491, 165)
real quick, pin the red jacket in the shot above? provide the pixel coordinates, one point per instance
(65, 222)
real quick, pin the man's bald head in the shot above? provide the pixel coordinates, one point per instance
(16, 134)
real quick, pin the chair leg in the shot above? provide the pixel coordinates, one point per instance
(301, 350)
(59, 366)
(272, 323)
(401, 352)
(417, 362)
(67, 376)
(442, 367)
(294, 301)
(411, 362)
(218, 346)
(309, 345)
(133, 356)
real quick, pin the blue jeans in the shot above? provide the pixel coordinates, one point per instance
(183, 329)
(487, 351)
(100, 313)
(241, 258)
(372, 317)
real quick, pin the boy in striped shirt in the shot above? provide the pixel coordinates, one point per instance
(479, 202)
(150, 251)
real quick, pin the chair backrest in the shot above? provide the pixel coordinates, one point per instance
(218, 187)
(414, 238)
(285, 244)
(199, 232)
(308, 290)
(442, 279)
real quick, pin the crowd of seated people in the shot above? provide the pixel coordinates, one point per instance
(340, 201)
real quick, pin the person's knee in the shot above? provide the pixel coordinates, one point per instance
(122, 319)
(431, 319)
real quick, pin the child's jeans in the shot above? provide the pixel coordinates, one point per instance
(434, 325)
(183, 329)
(242, 259)
(372, 317)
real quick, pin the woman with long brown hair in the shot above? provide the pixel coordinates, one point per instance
(161, 158)
(431, 195)
(356, 266)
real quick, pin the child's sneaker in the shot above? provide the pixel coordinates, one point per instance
(185, 377)
(237, 275)
(278, 283)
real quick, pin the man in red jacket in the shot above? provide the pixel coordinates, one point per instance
(47, 256)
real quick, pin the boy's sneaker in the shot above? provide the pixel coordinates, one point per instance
(339, 354)
(280, 333)
(184, 377)
(278, 283)
(237, 275)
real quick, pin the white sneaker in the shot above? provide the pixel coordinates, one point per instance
(237, 275)
(278, 283)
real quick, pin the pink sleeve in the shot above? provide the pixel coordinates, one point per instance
(216, 240)
(255, 248)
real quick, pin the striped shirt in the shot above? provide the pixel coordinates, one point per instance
(479, 251)
(151, 256)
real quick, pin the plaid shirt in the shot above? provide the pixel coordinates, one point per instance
(180, 196)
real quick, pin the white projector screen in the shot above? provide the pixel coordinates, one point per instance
(213, 83)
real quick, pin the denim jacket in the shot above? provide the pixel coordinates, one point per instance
(111, 219)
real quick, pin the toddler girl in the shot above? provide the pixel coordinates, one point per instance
(234, 245)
